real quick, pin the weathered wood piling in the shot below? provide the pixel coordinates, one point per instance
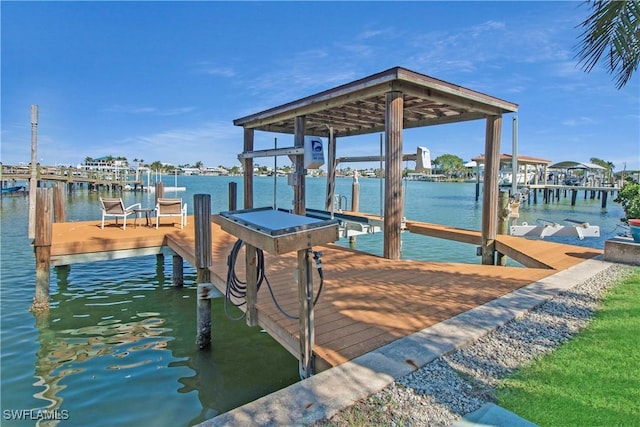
(42, 248)
(204, 260)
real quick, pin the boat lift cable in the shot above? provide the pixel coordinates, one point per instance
(237, 288)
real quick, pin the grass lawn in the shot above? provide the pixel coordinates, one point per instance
(594, 379)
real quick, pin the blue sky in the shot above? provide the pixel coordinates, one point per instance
(164, 80)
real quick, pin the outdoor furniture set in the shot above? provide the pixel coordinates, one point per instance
(165, 207)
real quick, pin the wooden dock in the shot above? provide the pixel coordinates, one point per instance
(366, 302)
(551, 192)
(70, 176)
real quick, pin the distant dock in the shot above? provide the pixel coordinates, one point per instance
(550, 193)
(71, 176)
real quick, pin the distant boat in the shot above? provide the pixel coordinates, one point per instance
(506, 178)
(175, 187)
(152, 189)
(16, 189)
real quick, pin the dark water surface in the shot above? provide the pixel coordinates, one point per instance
(118, 345)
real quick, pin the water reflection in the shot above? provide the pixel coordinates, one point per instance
(137, 336)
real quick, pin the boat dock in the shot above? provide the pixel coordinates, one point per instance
(70, 176)
(366, 302)
(554, 192)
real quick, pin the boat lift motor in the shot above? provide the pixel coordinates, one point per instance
(423, 159)
(313, 152)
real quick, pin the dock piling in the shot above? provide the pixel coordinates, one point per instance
(204, 257)
(233, 196)
(503, 223)
(59, 209)
(178, 275)
(355, 204)
(42, 247)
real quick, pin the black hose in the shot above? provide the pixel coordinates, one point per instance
(237, 288)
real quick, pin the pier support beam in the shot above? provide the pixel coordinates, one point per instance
(204, 257)
(394, 117)
(305, 286)
(42, 246)
(355, 205)
(503, 223)
(490, 190)
(59, 210)
(603, 200)
(331, 170)
(178, 273)
(233, 196)
(247, 165)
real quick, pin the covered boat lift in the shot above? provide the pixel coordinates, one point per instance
(388, 102)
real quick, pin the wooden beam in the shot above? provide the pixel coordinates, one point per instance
(204, 260)
(42, 247)
(490, 189)
(285, 151)
(393, 175)
(305, 285)
(299, 196)
(331, 170)
(247, 164)
(405, 157)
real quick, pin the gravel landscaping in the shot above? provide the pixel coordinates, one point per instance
(441, 392)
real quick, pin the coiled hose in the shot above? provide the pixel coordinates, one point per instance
(237, 288)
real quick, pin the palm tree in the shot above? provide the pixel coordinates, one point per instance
(612, 27)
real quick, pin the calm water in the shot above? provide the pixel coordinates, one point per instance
(117, 347)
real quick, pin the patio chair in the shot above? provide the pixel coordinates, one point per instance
(171, 208)
(115, 207)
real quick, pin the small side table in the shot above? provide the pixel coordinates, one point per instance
(142, 211)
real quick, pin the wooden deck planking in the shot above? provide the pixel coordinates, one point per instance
(367, 301)
(530, 253)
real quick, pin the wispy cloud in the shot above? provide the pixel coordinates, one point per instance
(212, 143)
(580, 121)
(210, 68)
(132, 109)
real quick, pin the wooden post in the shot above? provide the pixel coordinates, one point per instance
(204, 257)
(159, 191)
(160, 267)
(503, 223)
(477, 181)
(603, 204)
(42, 245)
(355, 204)
(251, 273)
(306, 315)
(574, 194)
(299, 187)
(59, 211)
(248, 169)
(331, 170)
(233, 196)
(178, 273)
(33, 181)
(305, 285)
(490, 190)
(393, 175)
(355, 194)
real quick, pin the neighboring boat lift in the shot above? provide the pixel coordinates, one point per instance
(550, 228)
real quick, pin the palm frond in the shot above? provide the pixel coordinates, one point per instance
(612, 28)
